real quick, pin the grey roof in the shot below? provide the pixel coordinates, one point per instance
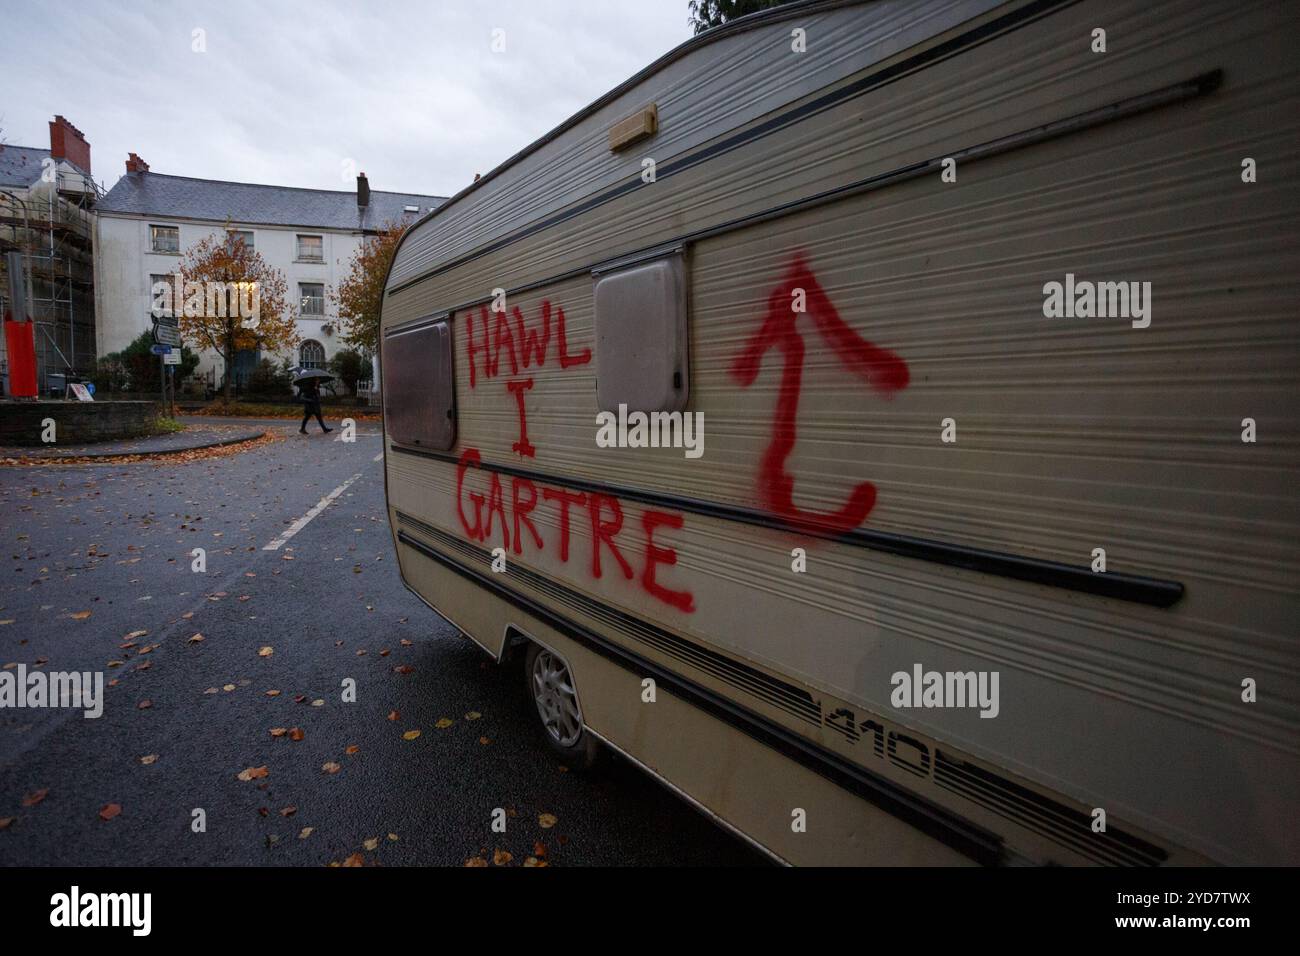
(153, 194)
(21, 165)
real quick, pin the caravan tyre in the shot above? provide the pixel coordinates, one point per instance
(555, 699)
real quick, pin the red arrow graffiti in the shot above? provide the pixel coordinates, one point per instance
(879, 368)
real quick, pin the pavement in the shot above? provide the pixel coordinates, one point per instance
(205, 668)
(198, 434)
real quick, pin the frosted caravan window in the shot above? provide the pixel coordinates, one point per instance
(419, 390)
(641, 337)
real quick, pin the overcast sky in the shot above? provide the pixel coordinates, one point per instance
(290, 92)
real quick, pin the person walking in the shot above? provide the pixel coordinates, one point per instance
(309, 394)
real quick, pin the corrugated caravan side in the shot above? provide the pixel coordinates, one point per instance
(887, 395)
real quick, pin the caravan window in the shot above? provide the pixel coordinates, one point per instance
(641, 336)
(419, 391)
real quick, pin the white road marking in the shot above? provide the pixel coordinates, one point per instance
(302, 522)
(379, 457)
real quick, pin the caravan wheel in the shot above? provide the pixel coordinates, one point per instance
(555, 697)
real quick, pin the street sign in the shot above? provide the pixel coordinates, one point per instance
(160, 349)
(166, 335)
(172, 358)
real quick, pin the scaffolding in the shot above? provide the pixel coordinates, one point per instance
(52, 225)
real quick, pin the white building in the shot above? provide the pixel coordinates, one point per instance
(147, 221)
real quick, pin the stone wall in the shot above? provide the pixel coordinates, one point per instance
(21, 423)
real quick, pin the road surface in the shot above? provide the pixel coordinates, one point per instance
(101, 579)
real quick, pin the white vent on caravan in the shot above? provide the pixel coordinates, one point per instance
(641, 337)
(419, 391)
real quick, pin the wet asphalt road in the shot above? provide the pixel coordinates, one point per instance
(115, 541)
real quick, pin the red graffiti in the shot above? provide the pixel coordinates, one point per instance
(655, 555)
(523, 446)
(565, 498)
(604, 531)
(879, 368)
(493, 338)
(521, 510)
(501, 335)
(604, 513)
(534, 345)
(566, 360)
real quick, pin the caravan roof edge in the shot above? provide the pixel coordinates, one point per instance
(739, 25)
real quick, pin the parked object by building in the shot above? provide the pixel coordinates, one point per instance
(47, 199)
(148, 220)
(959, 575)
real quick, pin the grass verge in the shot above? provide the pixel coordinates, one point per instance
(222, 409)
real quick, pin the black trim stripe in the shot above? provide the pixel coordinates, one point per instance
(1067, 826)
(795, 701)
(960, 834)
(1124, 587)
(863, 85)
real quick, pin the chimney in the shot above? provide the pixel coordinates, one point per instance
(363, 191)
(134, 164)
(67, 142)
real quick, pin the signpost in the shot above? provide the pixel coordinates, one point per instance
(167, 346)
(165, 334)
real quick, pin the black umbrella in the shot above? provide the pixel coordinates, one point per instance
(305, 373)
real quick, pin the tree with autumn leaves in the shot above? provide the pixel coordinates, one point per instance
(361, 293)
(227, 259)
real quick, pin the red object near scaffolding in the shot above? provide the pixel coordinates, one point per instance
(22, 358)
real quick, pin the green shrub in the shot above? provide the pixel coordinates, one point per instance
(136, 368)
(165, 426)
(350, 367)
(270, 380)
(110, 374)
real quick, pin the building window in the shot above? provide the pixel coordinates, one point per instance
(311, 354)
(165, 239)
(311, 299)
(311, 248)
(245, 234)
